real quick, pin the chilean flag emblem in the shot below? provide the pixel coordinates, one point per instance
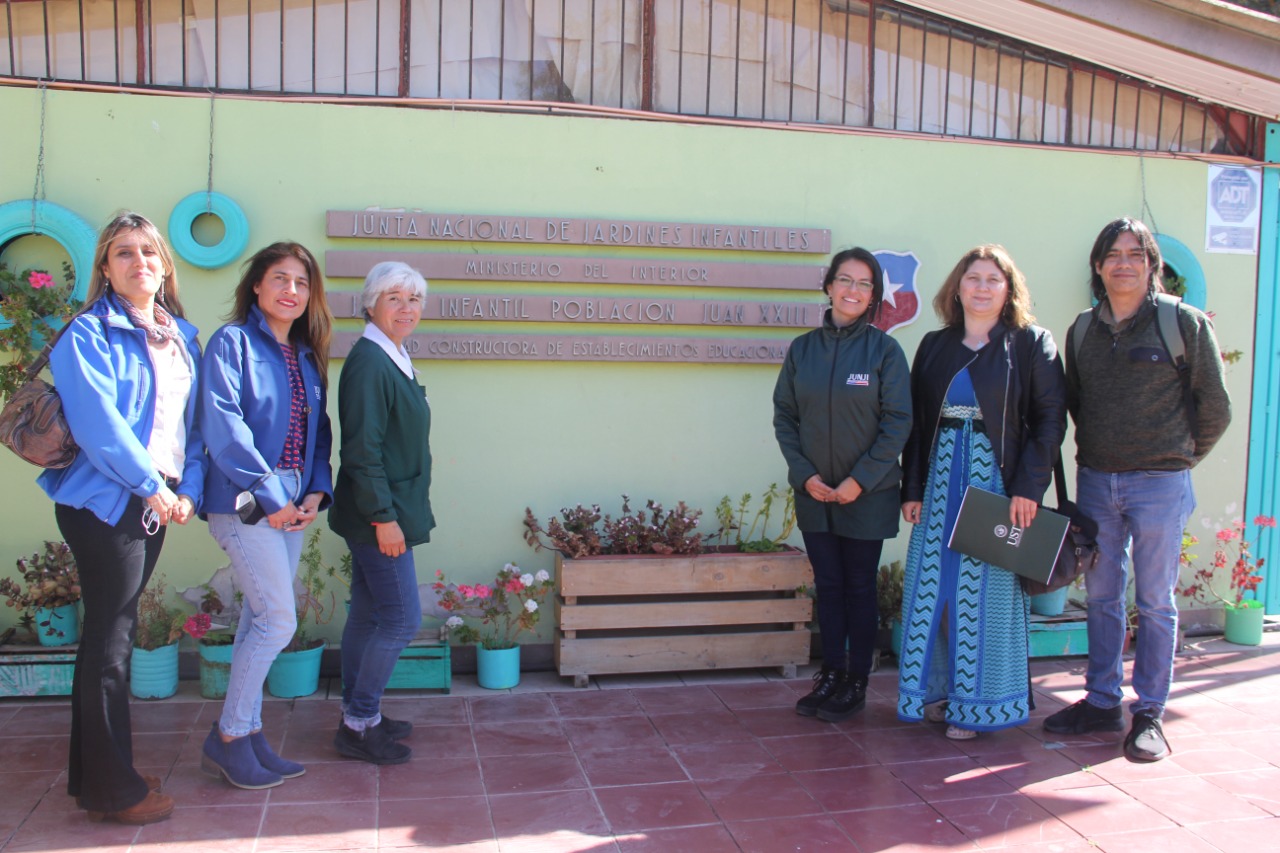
(901, 304)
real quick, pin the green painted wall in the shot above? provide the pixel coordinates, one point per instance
(508, 435)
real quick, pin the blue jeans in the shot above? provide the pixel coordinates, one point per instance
(264, 561)
(384, 617)
(1144, 512)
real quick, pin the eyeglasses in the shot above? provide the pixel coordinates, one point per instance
(846, 282)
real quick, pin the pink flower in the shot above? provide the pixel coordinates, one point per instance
(1226, 535)
(38, 280)
(197, 626)
(482, 591)
(1264, 521)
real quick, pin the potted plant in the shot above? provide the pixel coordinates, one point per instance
(34, 306)
(889, 587)
(508, 607)
(296, 670)
(47, 595)
(153, 667)
(643, 592)
(1242, 617)
(217, 645)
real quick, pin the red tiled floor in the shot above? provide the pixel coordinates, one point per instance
(707, 766)
(760, 796)
(903, 828)
(553, 772)
(660, 806)
(434, 821)
(793, 834)
(1189, 800)
(714, 761)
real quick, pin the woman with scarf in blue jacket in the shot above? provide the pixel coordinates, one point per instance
(263, 412)
(126, 370)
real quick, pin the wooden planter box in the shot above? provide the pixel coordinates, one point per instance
(30, 670)
(661, 614)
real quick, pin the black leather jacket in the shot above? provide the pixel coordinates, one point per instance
(1022, 393)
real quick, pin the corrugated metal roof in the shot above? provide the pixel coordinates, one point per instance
(1126, 53)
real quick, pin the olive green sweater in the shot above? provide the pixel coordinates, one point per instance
(385, 472)
(1127, 400)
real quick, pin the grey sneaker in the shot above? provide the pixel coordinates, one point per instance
(1082, 718)
(1146, 741)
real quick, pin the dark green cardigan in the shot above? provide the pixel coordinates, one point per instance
(385, 472)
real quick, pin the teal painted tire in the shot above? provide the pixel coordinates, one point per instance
(234, 223)
(1182, 259)
(72, 232)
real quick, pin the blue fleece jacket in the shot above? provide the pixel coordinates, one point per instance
(107, 381)
(244, 417)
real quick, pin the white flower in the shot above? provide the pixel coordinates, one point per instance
(511, 567)
(453, 622)
(542, 576)
(526, 579)
(531, 606)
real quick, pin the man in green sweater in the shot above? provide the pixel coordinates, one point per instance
(1142, 423)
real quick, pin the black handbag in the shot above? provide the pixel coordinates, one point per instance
(1079, 552)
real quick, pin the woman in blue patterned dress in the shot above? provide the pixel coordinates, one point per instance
(989, 402)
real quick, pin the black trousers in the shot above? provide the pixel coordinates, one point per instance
(844, 572)
(115, 563)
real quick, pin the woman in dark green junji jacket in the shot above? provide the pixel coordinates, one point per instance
(842, 414)
(381, 507)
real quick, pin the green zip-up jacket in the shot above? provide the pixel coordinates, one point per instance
(385, 473)
(842, 408)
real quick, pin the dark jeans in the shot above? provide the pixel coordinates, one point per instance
(385, 615)
(844, 572)
(115, 563)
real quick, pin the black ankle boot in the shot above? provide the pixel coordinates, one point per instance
(824, 685)
(848, 699)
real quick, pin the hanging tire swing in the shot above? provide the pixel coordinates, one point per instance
(234, 224)
(77, 237)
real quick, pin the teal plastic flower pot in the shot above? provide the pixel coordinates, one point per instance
(59, 626)
(1051, 603)
(154, 674)
(295, 674)
(215, 669)
(895, 636)
(1243, 624)
(498, 669)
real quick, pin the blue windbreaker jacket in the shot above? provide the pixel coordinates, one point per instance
(106, 379)
(244, 417)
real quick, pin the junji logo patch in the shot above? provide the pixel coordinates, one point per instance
(858, 379)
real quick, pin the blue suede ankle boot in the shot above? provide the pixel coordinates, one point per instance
(236, 762)
(271, 762)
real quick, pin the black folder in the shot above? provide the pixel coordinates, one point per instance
(983, 531)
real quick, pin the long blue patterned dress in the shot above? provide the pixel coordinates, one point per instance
(964, 621)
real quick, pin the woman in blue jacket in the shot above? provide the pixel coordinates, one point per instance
(842, 414)
(262, 411)
(126, 371)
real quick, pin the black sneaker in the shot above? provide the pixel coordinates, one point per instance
(1082, 718)
(396, 729)
(824, 684)
(373, 745)
(849, 699)
(1146, 741)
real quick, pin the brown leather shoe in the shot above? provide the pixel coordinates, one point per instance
(154, 808)
(154, 783)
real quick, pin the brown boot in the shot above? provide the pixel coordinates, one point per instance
(153, 784)
(154, 808)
